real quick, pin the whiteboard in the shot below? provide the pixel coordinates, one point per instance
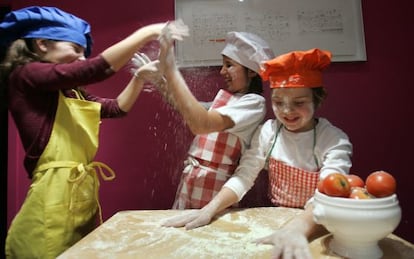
(287, 25)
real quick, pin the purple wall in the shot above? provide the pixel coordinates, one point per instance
(368, 100)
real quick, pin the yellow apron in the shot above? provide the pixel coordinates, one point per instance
(62, 201)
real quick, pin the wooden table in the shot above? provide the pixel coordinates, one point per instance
(138, 234)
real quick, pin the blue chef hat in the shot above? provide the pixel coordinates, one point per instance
(47, 23)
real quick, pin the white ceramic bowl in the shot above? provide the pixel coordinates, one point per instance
(357, 225)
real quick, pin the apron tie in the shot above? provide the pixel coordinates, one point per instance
(220, 169)
(77, 176)
(189, 163)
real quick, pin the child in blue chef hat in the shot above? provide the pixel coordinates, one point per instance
(43, 77)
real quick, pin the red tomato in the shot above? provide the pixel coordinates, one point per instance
(381, 184)
(320, 186)
(360, 193)
(355, 181)
(336, 184)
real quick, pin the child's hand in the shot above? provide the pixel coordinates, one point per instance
(287, 243)
(174, 30)
(147, 70)
(189, 220)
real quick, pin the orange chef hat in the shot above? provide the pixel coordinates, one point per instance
(297, 69)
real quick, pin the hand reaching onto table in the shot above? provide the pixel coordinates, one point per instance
(190, 219)
(287, 244)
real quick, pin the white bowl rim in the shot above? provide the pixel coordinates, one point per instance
(350, 202)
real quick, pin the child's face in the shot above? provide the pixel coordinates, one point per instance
(235, 75)
(294, 108)
(62, 51)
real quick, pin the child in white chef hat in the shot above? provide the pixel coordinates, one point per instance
(222, 132)
(296, 148)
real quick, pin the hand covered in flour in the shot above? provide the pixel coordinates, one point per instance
(189, 220)
(146, 70)
(172, 31)
(149, 71)
(287, 244)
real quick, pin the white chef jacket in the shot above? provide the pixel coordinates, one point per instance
(332, 149)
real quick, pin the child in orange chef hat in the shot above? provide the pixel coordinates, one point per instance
(296, 148)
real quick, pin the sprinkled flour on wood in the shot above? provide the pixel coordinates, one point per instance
(139, 234)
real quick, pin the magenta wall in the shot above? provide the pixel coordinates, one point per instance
(369, 100)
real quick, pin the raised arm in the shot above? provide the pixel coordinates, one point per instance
(122, 52)
(198, 119)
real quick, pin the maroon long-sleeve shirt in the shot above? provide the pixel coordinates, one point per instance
(33, 93)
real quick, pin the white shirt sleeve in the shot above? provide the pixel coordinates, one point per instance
(252, 161)
(247, 112)
(333, 149)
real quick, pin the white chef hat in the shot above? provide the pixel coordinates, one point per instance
(247, 49)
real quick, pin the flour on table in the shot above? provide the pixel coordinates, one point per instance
(139, 234)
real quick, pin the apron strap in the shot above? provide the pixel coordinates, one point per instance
(220, 169)
(274, 142)
(78, 94)
(314, 145)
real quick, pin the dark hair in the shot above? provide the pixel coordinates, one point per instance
(256, 85)
(19, 52)
(319, 94)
